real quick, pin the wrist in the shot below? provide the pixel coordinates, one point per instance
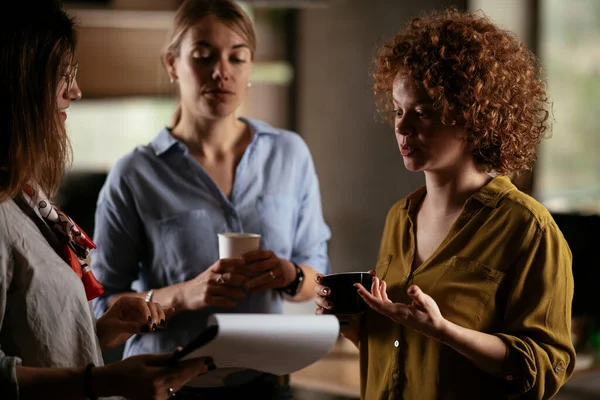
(293, 288)
(290, 266)
(178, 296)
(103, 383)
(446, 333)
(88, 384)
(149, 295)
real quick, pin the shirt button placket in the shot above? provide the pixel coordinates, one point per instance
(395, 374)
(560, 368)
(232, 220)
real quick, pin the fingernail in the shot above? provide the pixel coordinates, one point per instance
(153, 327)
(209, 361)
(212, 367)
(326, 291)
(145, 328)
(329, 305)
(149, 319)
(162, 323)
(318, 278)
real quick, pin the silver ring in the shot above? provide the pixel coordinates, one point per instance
(272, 274)
(220, 280)
(171, 392)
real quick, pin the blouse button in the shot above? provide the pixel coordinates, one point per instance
(560, 367)
(395, 376)
(396, 343)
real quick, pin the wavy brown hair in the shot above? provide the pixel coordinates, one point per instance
(37, 44)
(479, 77)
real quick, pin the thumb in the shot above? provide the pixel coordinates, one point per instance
(420, 298)
(197, 365)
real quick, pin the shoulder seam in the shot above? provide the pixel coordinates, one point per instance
(541, 222)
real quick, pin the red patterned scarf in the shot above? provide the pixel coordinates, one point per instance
(76, 244)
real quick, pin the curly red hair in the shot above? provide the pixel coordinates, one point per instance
(479, 76)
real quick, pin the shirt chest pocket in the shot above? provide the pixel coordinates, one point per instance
(185, 245)
(464, 290)
(277, 218)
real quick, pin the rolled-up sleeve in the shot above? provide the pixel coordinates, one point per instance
(540, 356)
(118, 234)
(312, 233)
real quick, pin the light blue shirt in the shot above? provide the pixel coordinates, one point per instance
(159, 213)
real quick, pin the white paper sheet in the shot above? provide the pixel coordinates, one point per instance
(249, 344)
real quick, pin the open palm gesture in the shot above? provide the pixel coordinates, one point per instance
(422, 314)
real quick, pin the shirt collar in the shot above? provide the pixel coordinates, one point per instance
(414, 198)
(489, 195)
(164, 141)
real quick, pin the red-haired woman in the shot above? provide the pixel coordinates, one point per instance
(471, 296)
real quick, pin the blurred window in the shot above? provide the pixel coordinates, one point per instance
(102, 131)
(567, 175)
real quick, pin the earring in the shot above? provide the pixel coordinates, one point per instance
(249, 84)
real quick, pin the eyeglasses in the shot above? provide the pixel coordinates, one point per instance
(70, 77)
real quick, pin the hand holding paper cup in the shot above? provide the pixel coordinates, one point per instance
(235, 244)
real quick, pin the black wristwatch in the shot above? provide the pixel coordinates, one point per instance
(293, 288)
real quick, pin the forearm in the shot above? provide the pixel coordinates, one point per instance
(167, 297)
(67, 383)
(37, 383)
(307, 291)
(485, 351)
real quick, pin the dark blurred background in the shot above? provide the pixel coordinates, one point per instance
(312, 75)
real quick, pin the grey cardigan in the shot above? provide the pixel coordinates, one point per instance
(45, 318)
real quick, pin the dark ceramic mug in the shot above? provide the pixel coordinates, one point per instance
(343, 294)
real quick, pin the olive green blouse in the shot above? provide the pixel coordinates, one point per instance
(505, 269)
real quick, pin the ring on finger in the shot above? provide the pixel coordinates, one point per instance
(220, 280)
(272, 274)
(171, 392)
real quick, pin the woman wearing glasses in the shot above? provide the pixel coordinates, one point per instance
(163, 205)
(49, 340)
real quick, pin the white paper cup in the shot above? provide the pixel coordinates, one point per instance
(234, 244)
